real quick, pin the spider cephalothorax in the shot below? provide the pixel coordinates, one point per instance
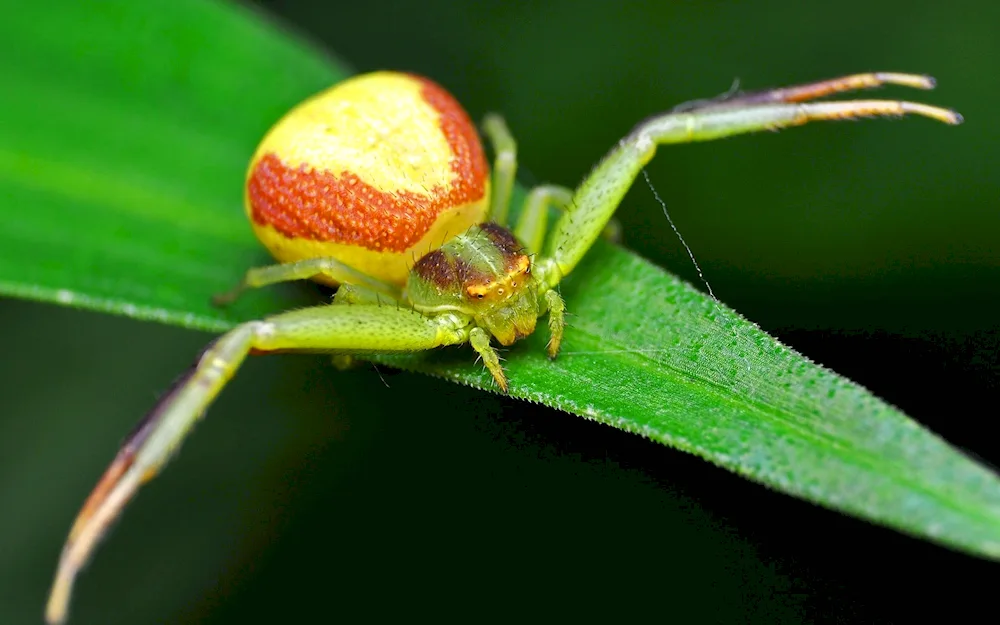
(484, 274)
(355, 183)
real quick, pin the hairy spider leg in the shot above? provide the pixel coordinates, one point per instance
(326, 329)
(355, 295)
(557, 321)
(599, 195)
(305, 270)
(812, 90)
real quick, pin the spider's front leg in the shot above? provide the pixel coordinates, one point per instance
(334, 329)
(596, 199)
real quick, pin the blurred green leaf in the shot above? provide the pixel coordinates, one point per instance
(120, 186)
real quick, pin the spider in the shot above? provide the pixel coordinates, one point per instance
(380, 186)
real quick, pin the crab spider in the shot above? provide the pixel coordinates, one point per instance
(349, 186)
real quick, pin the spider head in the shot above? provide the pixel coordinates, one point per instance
(513, 310)
(505, 303)
(483, 273)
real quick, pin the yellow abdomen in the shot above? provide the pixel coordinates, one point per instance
(376, 172)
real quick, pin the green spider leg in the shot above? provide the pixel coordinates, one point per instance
(307, 269)
(350, 294)
(556, 307)
(598, 196)
(328, 329)
(532, 224)
(504, 167)
(354, 295)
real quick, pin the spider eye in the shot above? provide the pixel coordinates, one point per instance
(480, 296)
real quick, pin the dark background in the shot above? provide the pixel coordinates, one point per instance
(311, 494)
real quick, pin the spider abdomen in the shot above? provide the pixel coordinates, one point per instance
(373, 172)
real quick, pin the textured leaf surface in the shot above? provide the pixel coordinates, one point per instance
(120, 190)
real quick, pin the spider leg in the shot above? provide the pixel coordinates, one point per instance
(811, 91)
(504, 167)
(354, 295)
(330, 268)
(533, 222)
(332, 329)
(479, 339)
(554, 303)
(598, 196)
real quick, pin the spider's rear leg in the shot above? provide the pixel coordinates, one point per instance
(504, 167)
(330, 269)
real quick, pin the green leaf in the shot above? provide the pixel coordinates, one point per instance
(101, 212)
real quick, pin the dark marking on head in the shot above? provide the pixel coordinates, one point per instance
(502, 238)
(437, 268)
(507, 244)
(469, 275)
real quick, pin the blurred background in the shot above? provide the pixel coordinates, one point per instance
(311, 494)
